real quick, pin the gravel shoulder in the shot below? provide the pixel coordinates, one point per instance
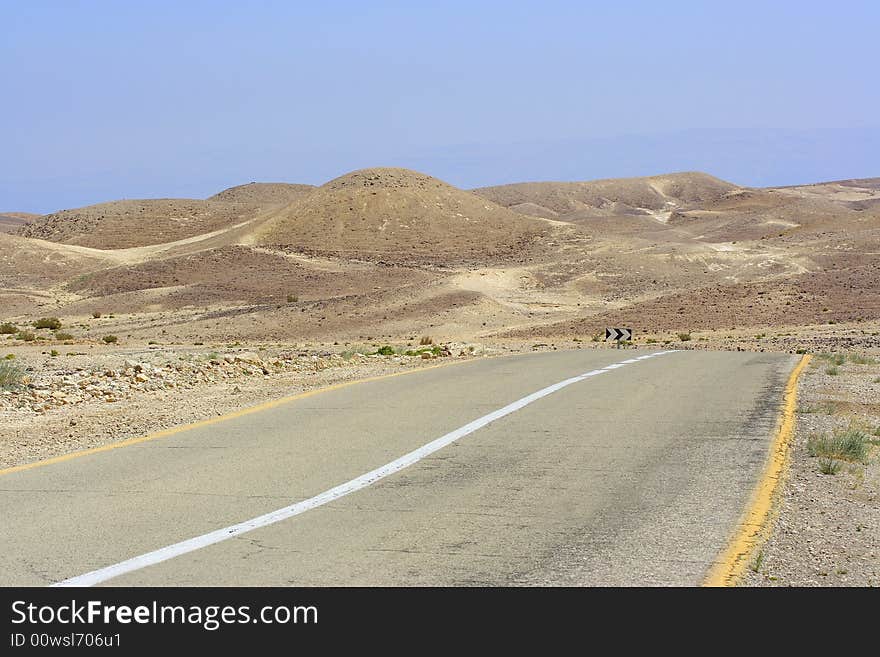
(827, 526)
(72, 402)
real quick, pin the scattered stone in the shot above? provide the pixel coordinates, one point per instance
(119, 380)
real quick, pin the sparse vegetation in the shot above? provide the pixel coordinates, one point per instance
(10, 376)
(53, 353)
(385, 350)
(8, 329)
(849, 444)
(436, 350)
(828, 466)
(684, 337)
(25, 336)
(758, 561)
(9, 357)
(110, 339)
(832, 371)
(96, 315)
(826, 407)
(859, 359)
(426, 339)
(60, 335)
(52, 323)
(292, 298)
(650, 341)
(833, 359)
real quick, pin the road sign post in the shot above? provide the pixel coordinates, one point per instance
(618, 334)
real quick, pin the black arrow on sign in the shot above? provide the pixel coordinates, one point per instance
(618, 334)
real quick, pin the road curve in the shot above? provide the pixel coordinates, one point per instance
(634, 476)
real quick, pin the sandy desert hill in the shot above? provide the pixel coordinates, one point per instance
(263, 194)
(655, 195)
(401, 216)
(133, 223)
(389, 253)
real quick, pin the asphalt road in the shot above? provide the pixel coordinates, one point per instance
(634, 476)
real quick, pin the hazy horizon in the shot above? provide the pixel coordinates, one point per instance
(108, 101)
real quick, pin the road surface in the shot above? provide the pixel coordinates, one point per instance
(632, 475)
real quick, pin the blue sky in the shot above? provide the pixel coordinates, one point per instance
(104, 100)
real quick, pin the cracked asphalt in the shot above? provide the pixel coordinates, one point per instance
(634, 477)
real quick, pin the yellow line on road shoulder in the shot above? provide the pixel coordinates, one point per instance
(728, 570)
(220, 418)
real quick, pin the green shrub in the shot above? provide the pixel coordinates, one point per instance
(26, 336)
(832, 371)
(48, 323)
(10, 376)
(385, 350)
(845, 444)
(110, 339)
(9, 357)
(8, 329)
(60, 335)
(53, 353)
(684, 337)
(829, 466)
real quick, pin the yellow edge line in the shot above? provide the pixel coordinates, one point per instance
(214, 420)
(728, 570)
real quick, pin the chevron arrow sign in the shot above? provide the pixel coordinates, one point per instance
(618, 334)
